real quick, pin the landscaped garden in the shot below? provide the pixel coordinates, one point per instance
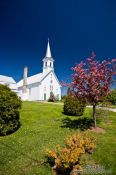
(70, 139)
(44, 126)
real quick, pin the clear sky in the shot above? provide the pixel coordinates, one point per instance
(75, 28)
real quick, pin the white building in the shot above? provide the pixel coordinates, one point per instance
(8, 81)
(39, 86)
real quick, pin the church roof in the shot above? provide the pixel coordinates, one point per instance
(6, 79)
(32, 79)
(35, 79)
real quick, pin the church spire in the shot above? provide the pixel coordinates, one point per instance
(48, 52)
(48, 60)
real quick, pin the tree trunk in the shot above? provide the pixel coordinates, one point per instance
(94, 115)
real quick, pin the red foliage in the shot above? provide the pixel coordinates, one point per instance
(92, 80)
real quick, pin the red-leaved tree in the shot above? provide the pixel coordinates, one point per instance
(92, 80)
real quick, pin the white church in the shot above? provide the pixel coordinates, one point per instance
(39, 87)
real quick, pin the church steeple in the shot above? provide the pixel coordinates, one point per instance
(48, 60)
(48, 51)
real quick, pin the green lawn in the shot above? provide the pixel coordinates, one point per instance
(43, 126)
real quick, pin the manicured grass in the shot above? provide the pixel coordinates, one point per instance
(43, 126)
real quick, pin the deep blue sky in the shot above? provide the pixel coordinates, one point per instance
(75, 28)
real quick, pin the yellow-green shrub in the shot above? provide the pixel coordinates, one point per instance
(67, 159)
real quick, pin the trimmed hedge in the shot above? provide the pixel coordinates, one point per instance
(73, 106)
(9, 110)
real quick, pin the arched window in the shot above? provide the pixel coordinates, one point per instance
(46, 64)
(50, 64)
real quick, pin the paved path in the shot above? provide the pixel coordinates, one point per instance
(60, 103)
(104, 108)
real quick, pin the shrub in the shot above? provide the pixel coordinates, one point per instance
(67, 160)
(73, 106)
(112, 97)
(52, 97)
(63, 98)
(9, 110)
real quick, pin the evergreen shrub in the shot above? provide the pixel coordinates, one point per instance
(73, 106)
(9, 110)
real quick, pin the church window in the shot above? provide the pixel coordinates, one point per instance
(44, 96)
(46, 64)
(50, 64)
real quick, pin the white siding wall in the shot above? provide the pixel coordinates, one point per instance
(36, 91)
(13, 86)
(45, 87)
(32, 93)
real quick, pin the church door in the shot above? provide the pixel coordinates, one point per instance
(44, 96)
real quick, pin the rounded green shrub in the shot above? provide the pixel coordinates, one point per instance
(112, 97)
(9, 110)
(73, 106)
